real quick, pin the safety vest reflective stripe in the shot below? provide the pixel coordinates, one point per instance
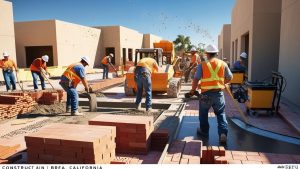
(214, 81)
(71, 74)
(214, 73)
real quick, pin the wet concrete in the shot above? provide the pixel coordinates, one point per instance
(238, 138)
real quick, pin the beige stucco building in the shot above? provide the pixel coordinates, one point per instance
(149, 39)
(122, 42)
(290, 49)
(224, 42)
(255, 29)
(7, 33)
(64, 42)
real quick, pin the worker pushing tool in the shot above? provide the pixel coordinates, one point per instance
(8, 66)
(36, 68)
(213, 74)
(72, 76)
(106, 62)
(145, 67)
(193, 64)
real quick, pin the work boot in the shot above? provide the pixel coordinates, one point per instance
(223, 138)
(201, 133)
(76, 113)
(139, 106)
(149, 110)
(68, 110)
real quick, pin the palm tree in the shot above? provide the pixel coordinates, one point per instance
(182, 43)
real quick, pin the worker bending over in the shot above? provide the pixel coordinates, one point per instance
(72, 76)
(105, 63)
(143, 71)
(213, 74)
(8, 66)
(241, 64)
(39, 69)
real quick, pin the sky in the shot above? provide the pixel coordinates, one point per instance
(201, 20)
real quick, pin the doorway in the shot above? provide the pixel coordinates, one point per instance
(33, 52)
(124, 56)
(129, 54)
(245, 43)
(111, 50)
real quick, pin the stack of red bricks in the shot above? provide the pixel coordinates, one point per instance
(72, 144)
(213, 155)
(7, 154)
(49, 97)
(133, 132)
(159, 139)
(15, 103)
(104, 84)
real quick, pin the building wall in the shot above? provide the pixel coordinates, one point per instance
(149, 39)
(7, 33)
(266, 38)
(130, 38)
(75, 41)
(224, 42)
(289, 49)
(241, 23)
(34, 33)
(261, 20)
(110, 37)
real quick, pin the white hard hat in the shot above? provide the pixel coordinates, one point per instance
(45, 58)
(193, 49)
(86, 59)
(5, 54)
(211, 49)
(243, 55)
(111, 54)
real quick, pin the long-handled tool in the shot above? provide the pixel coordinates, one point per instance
(114, 69)
(19, 81)
(237, 106)
(43, 72)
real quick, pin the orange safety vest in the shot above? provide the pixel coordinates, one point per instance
(104, 60)
(194, 59)
(7, 64)
(148, 63)
(37, 64)
(71, 74)
(213, 73)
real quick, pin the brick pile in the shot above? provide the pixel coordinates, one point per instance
(15, 103)
(213, 155)
(71, 144)
(133, 132)
(49, 97)
(98, 85)
(8, 154)
(159, 139)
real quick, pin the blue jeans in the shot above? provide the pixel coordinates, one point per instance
(143, 81)
(105, 71)
(217, 102)
(72, 97)
(35, 75)
(9, 78)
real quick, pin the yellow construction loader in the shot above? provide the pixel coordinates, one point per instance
(162, 81)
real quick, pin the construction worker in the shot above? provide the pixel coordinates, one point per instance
(193, 64)
(105, 63)
(38, 68)
(241, 64)
(145, 67)
(72, 76)
(213, 74)
(8, 66)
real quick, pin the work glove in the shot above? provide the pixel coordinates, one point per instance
(87, 90)
(17, 70)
